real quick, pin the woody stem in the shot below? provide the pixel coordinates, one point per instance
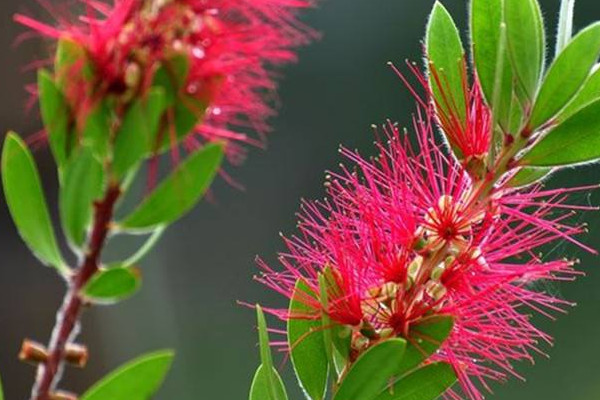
(66, 328)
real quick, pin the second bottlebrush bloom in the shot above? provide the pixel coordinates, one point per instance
(449, 220)
(409, 235)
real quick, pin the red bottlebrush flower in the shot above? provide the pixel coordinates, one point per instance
(230, 47)
(470, 137)
(410, 234)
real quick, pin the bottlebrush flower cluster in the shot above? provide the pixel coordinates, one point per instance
(228, 48)
(411, 233)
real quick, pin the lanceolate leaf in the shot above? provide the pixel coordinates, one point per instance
(113, 284)
(426, 383)
(445, 52)
(426, 338)
(55, 114)
(26, 202)
(179, 192)
(307, 344)
(493, 68)
(565, 24)
(137, 380)
(271, 382)
(97, 130)
(70, 59)
(526, 43)
(260, 389)
(588, 94)
(566, 75)
(372, 371)
(132, 141)
(82, 184)
(528, 175)
(574, 141)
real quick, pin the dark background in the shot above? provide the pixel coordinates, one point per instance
(205, 262)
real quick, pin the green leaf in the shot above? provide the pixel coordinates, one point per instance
(488, 41)
(426, 383)
(1, 391)
(566, 75)
(526, 43)
(55, 115)
(113, 284)
(337, 337)
(185, 112)
(307, 344)
(70, 58)
(96, 133)
(136, 380)
(427, 335)
(179, 192)
(26, 202)
(263, 339)
(528, 175)
(574, 141)
(445, 52)
(82, 184)
(589, 93)
(156, 105)
(369, 375)
(132, 141)
(565, 25)
(260, 389)
(272, 382)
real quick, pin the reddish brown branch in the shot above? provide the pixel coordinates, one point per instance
(67, 320)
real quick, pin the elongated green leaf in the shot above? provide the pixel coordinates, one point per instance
(96, 133)
(155, 107)
(71, 58)
(589, 93)
(113, 284)
(445, 52)
(307, 344)
(1, 391)
(272, 382)
(136, 380)
(528, 175)
(428, 335)
(55, 114)
(260, 389)
(82, 184)
(132, 141)
(337, 337)
(526, 43)
(179, 192)
(574, 141)
(372, 371)
(565, 25)
(566, 75)
(426, 383)
(263, 339)
(488, 41)
(26, 202)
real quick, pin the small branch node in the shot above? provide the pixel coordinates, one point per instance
(76, 355)
(61, 395)
(33, 353)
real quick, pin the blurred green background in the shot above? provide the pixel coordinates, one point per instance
(206, 261)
